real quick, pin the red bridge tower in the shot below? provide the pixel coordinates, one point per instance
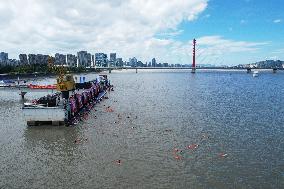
(193, 57)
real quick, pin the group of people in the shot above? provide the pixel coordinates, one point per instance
(49, 100)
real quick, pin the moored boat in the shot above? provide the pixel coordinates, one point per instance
(255, 73)
(31, 86)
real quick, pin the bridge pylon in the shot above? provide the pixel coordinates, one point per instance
(193, 69)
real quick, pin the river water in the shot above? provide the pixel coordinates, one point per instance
(236, 120)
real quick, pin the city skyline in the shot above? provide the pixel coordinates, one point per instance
(83, 59)
(227, 33)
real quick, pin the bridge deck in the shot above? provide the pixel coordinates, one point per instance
(186, 68)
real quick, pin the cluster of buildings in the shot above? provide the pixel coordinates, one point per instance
(82, 59)
(4, 60)
(133, 62)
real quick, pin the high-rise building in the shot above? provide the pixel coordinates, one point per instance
(71, 60)
(89, 60)
(154, 63)
(3, 58)
(133, 62)
(60, 59)
(12, 62)
(84, 59)
(32, 59)
(101, 59)
(140, 64)
(23, 59)
(112, 59)
(165, 64)
(93, 61)
(41, 59)
(119, 62)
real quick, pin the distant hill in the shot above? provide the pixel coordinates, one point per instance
(264, 64)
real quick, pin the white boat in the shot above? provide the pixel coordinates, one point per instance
(255, 74)
(7, 83)
(13, 83)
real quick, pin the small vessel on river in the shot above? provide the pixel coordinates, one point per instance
(13, 83)
(255, 73)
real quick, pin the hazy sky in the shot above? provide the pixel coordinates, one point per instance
(227, 32)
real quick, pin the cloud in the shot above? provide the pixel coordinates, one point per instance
(171, 33)
(217, 50)
(216, 45)
(277, 21)
(128, 27)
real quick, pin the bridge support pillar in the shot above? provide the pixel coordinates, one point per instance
(274, 70)
(248, 70)
(193, 70)
(109, 70)
(136, 70)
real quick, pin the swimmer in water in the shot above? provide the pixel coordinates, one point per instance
(222, 155)
(118, 161)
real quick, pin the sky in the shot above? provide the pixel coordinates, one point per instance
(227, 32)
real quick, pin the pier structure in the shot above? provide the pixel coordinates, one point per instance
(67, 106)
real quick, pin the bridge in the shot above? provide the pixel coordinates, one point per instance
(180, 68)
(193, 68)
